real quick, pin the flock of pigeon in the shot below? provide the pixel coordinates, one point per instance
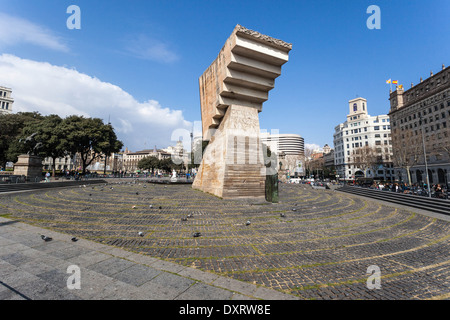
(141, 234)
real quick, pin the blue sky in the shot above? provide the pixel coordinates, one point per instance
(138, 62)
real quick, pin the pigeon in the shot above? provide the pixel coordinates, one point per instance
(160, 207)
(45, 238)
(294, 209)
(282, 215)
(90, 194)
(150, 206)
(197, 234)
(74, 239)
(137, 193)
(190, 215)
(134, 207)
(140, 234)
(248, 223)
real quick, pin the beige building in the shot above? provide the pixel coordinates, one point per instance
(6, 102)
(363, 145)
(131, 159)
(422, 109)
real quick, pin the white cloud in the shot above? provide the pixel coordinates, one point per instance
(143, 47)
(14, 31)
(49, 89)
(312, 146)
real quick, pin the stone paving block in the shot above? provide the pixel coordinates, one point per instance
(55, 277)
(235, 285)
(111, 266)
(92, 284)
(36, 267)
(18, 277)
(51, 246)
(16, 259)
(69, 252)
(41, 290)
(5, 242)
(88, 258)
(198, 275)
(137, 274)
(166, 286)
(201, 291)
(167, 266)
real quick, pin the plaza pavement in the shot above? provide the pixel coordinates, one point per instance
(32, 269)
(314, 244)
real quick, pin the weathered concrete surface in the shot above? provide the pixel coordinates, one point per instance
(232, 91)
(232, 165)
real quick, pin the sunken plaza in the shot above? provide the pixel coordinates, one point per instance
(219, 238)
(312, 244)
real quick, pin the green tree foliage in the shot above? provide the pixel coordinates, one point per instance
(90, 138)
(11, 129)
(49, 132)
(149, 163)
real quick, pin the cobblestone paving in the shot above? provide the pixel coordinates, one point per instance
(320, 249)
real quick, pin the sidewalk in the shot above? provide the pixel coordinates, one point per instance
(32, 269)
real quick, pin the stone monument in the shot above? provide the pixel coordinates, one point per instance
(232, 91)
(30, 165)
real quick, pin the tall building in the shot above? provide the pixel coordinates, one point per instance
(422, 109)
(290, 150)
(290, 144)
(6, 102)
(363, 145)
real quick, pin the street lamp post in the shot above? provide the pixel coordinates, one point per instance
(425, 155)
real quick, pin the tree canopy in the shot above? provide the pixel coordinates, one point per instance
(56, 137)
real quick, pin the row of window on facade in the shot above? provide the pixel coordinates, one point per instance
(419, 114)
(5, 105)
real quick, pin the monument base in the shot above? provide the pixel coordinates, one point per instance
(29, 166)
(232, 164)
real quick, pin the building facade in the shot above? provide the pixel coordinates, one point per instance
(420, 118)
(290, 150)
(363, 144)
(6, 102)
(131, 159)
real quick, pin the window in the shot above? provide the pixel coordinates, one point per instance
(376, 128)
(355, 107)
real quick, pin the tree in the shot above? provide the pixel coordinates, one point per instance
(166, 165)
(11, 127)
(407, 150)
(90, 138)
(366, 158)
(50, 134)
(149, 163)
